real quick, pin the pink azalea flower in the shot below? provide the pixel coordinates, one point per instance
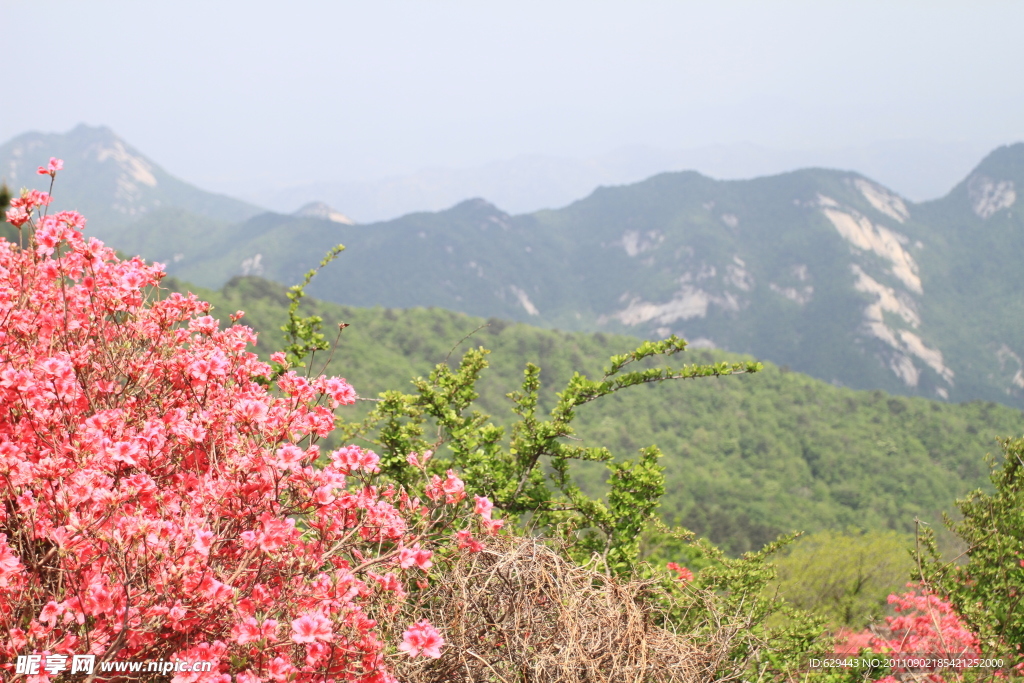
(491, 526)
(483, 506)
(340, 391)
(246, 631)
(49, 613)
(280, 669)
(349, 459)
(311, 627)
(52, 168)
(466, 540)
(407, 557)
(422, 639)
(453, 488)
(10, 565)
(289, 456)
(18, 216)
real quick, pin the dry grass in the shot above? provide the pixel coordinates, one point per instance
(518, 612)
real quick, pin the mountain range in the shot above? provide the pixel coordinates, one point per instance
(524, 184)
(827, 272)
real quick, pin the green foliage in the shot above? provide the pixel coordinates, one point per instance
(303, 332)
(744, 460)
(845, 577)
(987, 587)
(7, 231)
(528, 476)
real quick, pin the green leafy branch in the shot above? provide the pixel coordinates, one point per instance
(303, 333)
(529, 477)
(527, 473)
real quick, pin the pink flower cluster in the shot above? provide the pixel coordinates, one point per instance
(483, 508)
(157, 501)
(422, 638)
(924, 626)
(51, 168)
(22, 207)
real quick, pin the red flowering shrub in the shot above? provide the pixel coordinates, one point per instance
(158, 501)
(925, 628)
(924, 623)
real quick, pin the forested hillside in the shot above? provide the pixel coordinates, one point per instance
(746, 457)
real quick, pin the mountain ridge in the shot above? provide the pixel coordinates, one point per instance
(822, 270)
(114, 169)
(919, 169)
(781, 267)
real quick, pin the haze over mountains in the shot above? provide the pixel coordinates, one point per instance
(917, 169)
(828, 272)
(108, 180)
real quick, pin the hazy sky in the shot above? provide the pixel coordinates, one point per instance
(225, 92)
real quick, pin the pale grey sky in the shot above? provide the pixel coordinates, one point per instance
(270, 94)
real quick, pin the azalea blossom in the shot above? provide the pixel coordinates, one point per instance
(311, 627)
(466, 540)
(415, 556)
(483, 506)
(422, 639)
(51, 168)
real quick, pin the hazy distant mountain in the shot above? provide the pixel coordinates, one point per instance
(915, 169)
(321, 210)
(825, 271)
(108, 180)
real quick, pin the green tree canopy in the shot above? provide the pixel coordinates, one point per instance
(845, 577)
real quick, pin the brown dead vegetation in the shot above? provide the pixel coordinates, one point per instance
(517, 612)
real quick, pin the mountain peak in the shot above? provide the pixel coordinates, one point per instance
(478, 204)
(996, 183)
(1005, 162)
(325, 212)
(107, 179)
(84, 130)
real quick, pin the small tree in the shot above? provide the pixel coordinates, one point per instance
(528, 476)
